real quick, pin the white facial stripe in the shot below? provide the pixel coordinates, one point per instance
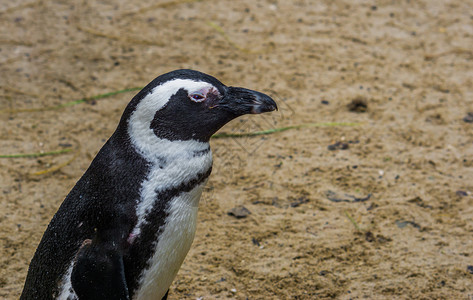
(139, 123)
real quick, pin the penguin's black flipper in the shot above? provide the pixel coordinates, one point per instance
(98, 273)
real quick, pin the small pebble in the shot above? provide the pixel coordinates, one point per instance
(358, 105)
(239, 212)
(468, 118)
(255, 242)
(402, 224)
(369, 237)
(299, 201)
(469, 269)
(338, 146)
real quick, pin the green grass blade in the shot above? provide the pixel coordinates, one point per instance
(97, 97)
(71, 103)
(281, 129)
(33, 155)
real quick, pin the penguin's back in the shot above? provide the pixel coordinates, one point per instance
(90, 206)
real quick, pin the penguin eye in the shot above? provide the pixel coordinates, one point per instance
(197, 97)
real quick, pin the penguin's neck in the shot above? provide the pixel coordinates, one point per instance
(173, 166)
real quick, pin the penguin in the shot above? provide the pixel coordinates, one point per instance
(125, 228)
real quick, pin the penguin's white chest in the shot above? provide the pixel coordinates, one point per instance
(172, 246)
(174, 165)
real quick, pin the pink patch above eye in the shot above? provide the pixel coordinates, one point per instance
(204, 94)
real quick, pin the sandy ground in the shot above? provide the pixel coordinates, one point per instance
(380, 210)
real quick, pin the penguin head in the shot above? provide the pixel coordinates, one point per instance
(190, 105)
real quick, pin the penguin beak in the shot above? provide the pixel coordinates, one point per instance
(242, 101)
